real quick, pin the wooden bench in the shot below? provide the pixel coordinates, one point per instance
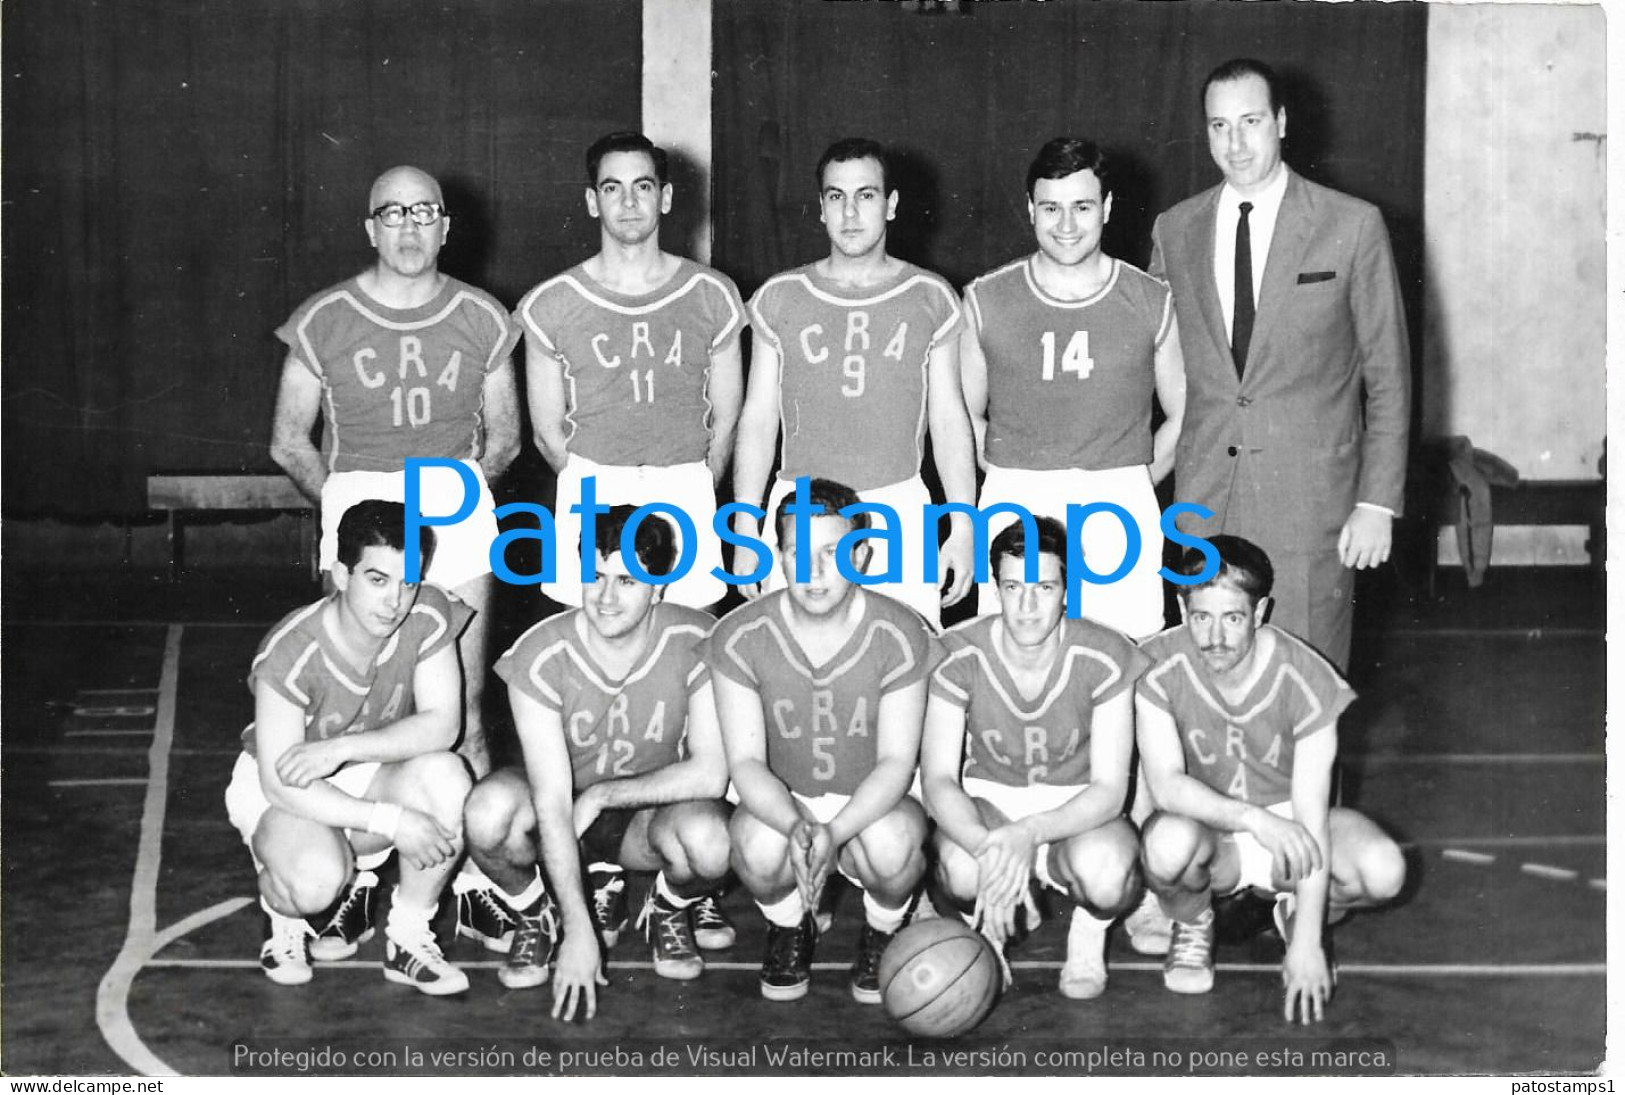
(1542, 502)
(179, 495)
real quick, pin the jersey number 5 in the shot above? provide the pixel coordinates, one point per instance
(1074, 359)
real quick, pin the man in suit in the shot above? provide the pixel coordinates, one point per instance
(1288, 308)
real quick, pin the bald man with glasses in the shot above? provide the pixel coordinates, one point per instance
(404, 361)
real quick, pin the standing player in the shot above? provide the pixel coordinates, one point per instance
(1238, 733)
(356, 702)
(820, 692)
(856, 356)
(1062, 354)
(633, 368)
(623, 769)
(1029, 732)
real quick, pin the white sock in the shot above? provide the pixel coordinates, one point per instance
(663, 891)
(1096, 923)
(882, 918)
(406, 922)
(787, 912)
(527, 897)
(470, 877)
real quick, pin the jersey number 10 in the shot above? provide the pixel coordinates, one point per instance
(1074, 359)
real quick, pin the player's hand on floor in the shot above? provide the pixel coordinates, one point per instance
(422, 841)
(576, 976)
(1308, 980)
(309, 761)
(1294, 848)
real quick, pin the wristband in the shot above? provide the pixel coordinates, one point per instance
(384, 819)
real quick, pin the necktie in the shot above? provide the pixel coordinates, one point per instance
(1241, 328)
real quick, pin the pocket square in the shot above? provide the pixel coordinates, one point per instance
(1316, 275)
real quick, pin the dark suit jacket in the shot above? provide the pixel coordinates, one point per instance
(1282, 456)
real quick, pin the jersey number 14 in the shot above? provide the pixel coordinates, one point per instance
(1074, 359)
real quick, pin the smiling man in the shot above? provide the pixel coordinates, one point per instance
(1297, 359)
(1237, 727)
(633, 368)
(856, 359)
(1061, 358)
(622, 769)
(1029, 733)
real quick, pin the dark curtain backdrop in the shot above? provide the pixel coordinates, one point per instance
(178, 174)
(967, 96)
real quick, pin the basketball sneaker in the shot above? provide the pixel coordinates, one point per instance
(713, 931)
(787, 969)
(608, 904)
(1149, 929)
(283, 956)
(533, 942)
(1083, 976)
(415, 959)
(483, 916)
(671, 939)
(340, 933)
(866, 969)
(1189, 966)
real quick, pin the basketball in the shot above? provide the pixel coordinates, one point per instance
(939, 978)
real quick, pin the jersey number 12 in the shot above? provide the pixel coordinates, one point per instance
(1074, 359)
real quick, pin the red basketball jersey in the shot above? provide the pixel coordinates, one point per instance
(1069, 382)
(636, 368)
(821, 720)
(613, 728)
(852, 383)
(299, 661)
(1016, 741)
(400, 382)
(1244, 750)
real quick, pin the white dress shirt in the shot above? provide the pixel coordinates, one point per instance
(1261, 225)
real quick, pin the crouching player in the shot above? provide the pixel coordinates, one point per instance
(821, 692)
(1238, 732)
(1029, 731)
(623, 769)
(357, 701)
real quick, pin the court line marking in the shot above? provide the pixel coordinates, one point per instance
(262, 624)
(141, 781)
(143, 732)
(1598, 884)
(1556, 841)
(1551, 969)
(1461, 856)
(197, 920)
(1496, 632)
(113, 994)
(1542, 870)
(1476, 758)
(116, 691)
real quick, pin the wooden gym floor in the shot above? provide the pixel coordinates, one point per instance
(131, 940)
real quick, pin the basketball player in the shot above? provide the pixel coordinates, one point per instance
(1238, 733)
(820, 693)
(356, 706)
(633, 371)
(1029, 731)
(856, 357)
(404, 361)
(1062, 354)
(623, 768)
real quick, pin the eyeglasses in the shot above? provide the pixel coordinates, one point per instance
(394, 214)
